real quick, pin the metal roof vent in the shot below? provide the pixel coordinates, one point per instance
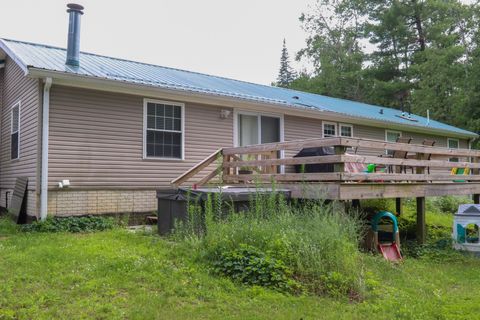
(73, 46)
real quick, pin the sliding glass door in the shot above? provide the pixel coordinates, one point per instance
(256, 129)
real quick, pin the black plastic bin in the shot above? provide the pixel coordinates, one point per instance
(315, 167)
(173, 203)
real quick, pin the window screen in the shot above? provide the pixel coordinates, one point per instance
(164, 130)
(15, 132)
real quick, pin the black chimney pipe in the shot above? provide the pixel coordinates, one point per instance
(73, 46)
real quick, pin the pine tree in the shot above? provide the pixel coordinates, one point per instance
(286, 74)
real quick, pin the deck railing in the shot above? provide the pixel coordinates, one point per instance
(274, 161)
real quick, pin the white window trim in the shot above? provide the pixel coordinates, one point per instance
(391, 131)
(237, 112)
(340, 125)
(332, 123)
(19, 104)
(182, 126)
(453, 139)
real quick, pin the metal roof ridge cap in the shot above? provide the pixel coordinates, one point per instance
(14, 56)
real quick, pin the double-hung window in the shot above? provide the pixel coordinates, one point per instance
(15, 132)
(163, 123)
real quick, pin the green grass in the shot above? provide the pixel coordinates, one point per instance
(121, 275)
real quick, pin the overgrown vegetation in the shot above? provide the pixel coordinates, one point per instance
(71, 224)
(310, 247)
(249, 265)
(117, 274)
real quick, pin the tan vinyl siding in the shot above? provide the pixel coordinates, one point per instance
(19, 88)
(305, 128)
(1, 88)
(96, 140)
(302, 128)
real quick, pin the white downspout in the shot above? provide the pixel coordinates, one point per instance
(45, 130)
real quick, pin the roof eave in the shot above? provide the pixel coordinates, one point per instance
(104, 84)
(14, 56)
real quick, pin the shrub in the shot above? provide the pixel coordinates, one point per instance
(449, 204)
(251, 266)
(71, 224)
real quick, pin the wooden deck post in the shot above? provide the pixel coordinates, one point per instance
(225, 170)
(398, 206)
(421, 223)
(339, 167)
(476, 171)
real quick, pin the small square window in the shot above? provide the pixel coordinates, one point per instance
(329, 130)
(346, 131)
(453, 144)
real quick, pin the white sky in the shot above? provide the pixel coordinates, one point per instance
(240, 39)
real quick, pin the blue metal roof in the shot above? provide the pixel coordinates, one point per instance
(53, 59)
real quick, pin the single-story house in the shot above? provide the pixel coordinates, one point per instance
(96, 134)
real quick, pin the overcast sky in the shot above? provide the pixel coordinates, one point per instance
(240, 39)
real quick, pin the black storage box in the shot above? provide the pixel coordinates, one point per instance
(315, 167)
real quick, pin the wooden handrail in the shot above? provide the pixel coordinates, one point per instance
(266, 164)
(277, 146)
(196, 169)
(346, 158)
(350, 142)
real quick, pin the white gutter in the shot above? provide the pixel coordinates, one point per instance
(45, 130)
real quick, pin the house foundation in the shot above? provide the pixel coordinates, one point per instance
(90, 202)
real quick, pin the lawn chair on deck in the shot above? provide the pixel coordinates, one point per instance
(428, 143)
(397, 154)
(427, 156)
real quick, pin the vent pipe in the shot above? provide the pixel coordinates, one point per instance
(73, 47)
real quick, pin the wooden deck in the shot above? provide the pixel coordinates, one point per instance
(421, 171)
(408, 177)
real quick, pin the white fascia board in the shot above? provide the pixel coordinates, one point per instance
(102, 84)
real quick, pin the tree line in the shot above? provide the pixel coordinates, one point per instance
(415, 55)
